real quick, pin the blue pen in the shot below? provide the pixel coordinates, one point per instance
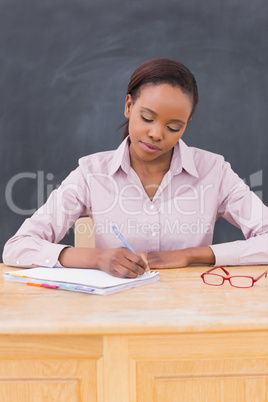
(123, 240)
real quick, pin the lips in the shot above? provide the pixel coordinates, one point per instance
(148, 144)
(148, 147)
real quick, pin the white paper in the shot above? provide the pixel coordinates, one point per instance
(77, 276)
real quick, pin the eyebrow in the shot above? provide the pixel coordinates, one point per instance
(150, 110)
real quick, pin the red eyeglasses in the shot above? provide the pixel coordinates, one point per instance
(238, 281)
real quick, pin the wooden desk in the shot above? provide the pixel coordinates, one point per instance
(173, 340)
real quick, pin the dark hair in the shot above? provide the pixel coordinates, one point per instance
(162, 71)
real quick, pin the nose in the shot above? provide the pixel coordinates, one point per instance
(156, 133)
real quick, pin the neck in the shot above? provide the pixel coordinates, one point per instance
(159, 166)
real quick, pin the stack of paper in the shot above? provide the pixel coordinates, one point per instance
(79, 280)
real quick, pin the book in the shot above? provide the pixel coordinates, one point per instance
(90, 281)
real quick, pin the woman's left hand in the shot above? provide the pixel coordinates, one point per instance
(168, 259)
(181, 258)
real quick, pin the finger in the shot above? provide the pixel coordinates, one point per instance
(137, 258)
(137, 268)
(130, 265)
(125, 267)
(144, 257)
(130, 261)
(134, 268)
(123, 272)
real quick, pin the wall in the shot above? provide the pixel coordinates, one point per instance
(64, 69)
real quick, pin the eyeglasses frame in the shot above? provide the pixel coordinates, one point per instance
(230, 277)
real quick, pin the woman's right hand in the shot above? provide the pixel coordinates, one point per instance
(119, 262)
(122, 263)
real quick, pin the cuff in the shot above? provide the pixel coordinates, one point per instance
(225, 254)
(49, 254)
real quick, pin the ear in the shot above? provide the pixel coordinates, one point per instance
(128, 106)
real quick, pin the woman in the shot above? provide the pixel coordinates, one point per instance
(163, 196)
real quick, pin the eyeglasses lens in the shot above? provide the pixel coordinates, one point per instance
(241, 281)
(211, 279)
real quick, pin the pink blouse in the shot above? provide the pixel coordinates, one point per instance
(198, 188)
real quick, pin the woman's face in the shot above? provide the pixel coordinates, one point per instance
(157, 120)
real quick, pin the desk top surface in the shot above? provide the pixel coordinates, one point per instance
(178, 303)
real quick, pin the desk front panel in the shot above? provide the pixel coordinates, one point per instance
(159, 368)
(46, 368)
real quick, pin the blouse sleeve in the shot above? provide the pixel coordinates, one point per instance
(244, 209)
(35, 243)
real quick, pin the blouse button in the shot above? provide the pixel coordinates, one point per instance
(152, 207)
(17, 262)
(153, 234)
(47, 261)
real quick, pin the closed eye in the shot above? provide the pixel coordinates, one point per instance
(147, 120)
(172, 129)
(150, 121)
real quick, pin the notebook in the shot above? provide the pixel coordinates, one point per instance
(90, 281)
